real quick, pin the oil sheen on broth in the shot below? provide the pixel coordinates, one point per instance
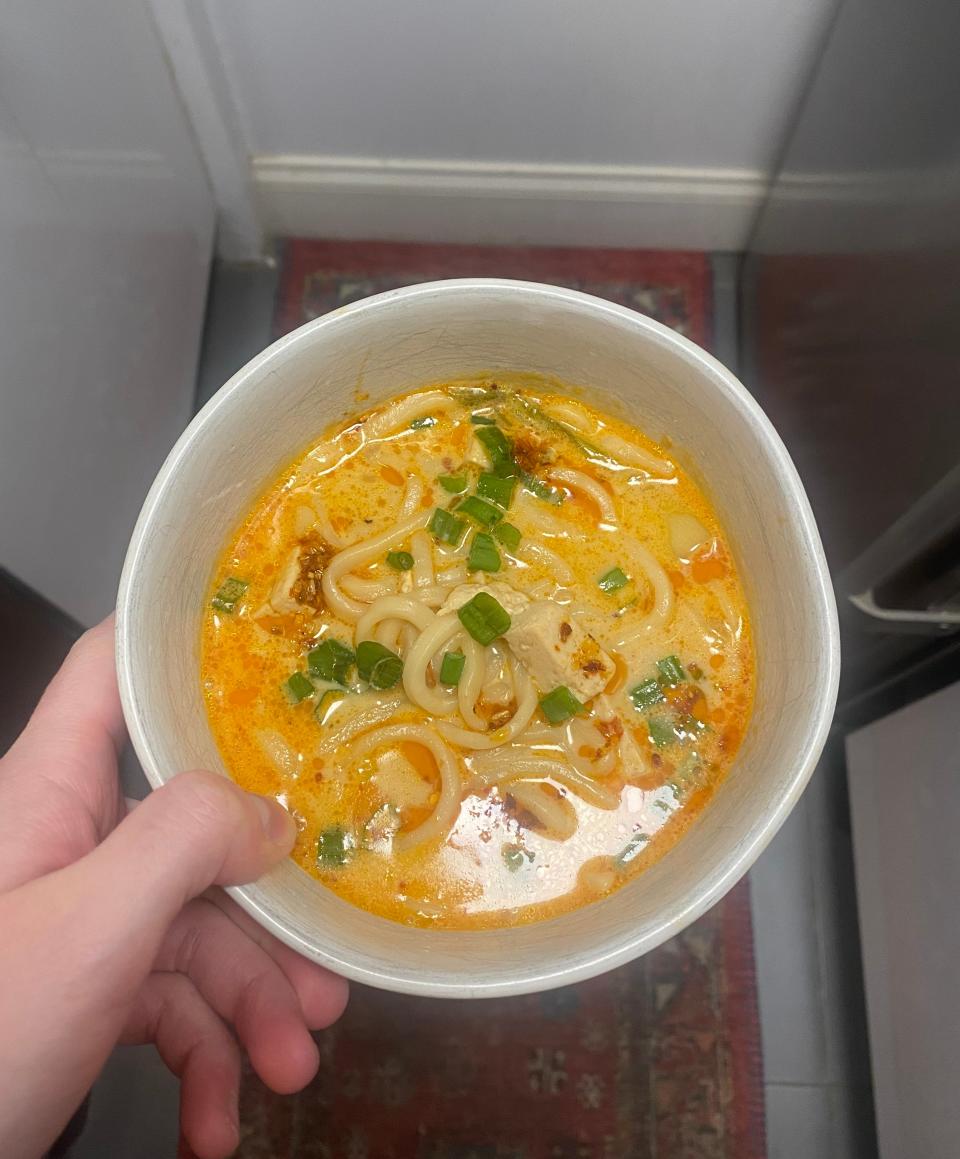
(490, 648)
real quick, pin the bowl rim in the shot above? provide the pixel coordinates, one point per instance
(741, 856)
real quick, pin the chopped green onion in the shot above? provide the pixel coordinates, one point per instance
(687, 772)
(499, 489)
(508, 535)
(480, 510)
(498, 447)
(631, 849)
(646, 693)
(483, 554)
(671, 670)
(470, 396)
(331, 660)
(446, 527)
(484, 618)
(560, 704)
(542, 490)
(328, 699)
(298, 687)
(229, 594)
(495, 442)
(451, 667)
(400, 560)
(332, 846)
(483, 421)
(453, 483)
(661, 731)
(512, 857)
(376, 664)
(421, 424)
(530, 410)
(689, 727)
(613, 580)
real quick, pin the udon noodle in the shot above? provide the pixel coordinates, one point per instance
(488, 645)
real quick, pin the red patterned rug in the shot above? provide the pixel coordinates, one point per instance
(318, 276)
(657, 1060)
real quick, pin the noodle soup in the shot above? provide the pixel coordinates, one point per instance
(490, 648)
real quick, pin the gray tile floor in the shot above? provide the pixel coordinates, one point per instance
(816, 1062)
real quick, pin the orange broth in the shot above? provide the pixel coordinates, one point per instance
(619, 552)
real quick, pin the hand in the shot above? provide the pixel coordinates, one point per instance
(109, 932)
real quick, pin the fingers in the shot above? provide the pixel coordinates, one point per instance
(246, 987)
(198, 1048)
(197, 829)
(322, 994)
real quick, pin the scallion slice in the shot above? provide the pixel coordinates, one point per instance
(508, 535)
(480, 510)
(542, 490)
(498, 447)
(400, 560)
(332, 846)
(446, 527)
(661, 731)
(451, 667)
(484, 618)
(483, 554)
(512, 857)
(229, 594)
(631, 849)
(331, 660)
(671, 670)
(327, 701)
(613, 580)
(483, 420)
(298, 687)
(376, 664)
(455, 484)
(560, 704)
(422, 424)
(498, 489)
(646, 693)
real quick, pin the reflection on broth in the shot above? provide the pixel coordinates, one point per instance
(490, 648)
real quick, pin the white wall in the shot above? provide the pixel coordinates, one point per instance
(106, 225)
(640, 101)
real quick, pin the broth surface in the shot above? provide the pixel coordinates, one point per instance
(439, 779)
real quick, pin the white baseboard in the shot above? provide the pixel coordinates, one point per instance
(487, 202)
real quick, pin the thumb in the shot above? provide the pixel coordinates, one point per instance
(198, 830)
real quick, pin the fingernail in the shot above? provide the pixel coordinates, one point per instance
(277, 823)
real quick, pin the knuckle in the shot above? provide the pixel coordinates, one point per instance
(189, 937)
(259, 996)
(202, 799)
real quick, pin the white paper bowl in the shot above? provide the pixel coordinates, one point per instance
(630, 365)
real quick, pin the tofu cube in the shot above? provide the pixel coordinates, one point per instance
(556, 650)
(512, 601)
